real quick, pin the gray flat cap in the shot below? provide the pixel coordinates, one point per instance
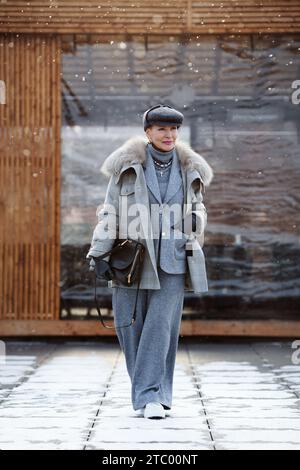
(163, 115)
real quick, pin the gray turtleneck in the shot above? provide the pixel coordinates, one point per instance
(162, 176)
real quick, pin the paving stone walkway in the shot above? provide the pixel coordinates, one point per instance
(69, 394)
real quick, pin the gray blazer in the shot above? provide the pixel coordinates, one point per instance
(169, 246)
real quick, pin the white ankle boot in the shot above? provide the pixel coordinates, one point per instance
(154, 410)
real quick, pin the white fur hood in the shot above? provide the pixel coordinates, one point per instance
(133, 151)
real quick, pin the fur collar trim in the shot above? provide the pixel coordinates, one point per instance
(133, 151)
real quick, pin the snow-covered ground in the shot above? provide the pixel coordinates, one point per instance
(76, 395)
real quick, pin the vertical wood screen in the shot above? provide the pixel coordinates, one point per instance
(29, 177)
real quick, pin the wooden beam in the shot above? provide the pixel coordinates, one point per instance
(156, 17)
(263, 328)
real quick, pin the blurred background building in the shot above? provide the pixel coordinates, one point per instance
(76, 78)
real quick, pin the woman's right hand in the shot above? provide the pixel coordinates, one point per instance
(92, 265)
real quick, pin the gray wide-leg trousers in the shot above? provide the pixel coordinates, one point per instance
(150, 344)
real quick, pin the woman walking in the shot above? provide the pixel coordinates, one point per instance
(163, 179)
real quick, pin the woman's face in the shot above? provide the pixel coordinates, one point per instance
(163, 137)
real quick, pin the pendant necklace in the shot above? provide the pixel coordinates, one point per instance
(162, 167)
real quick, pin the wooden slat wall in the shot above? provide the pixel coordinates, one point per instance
(176, 16)
(29, 177)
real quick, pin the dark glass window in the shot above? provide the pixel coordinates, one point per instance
(241, 114)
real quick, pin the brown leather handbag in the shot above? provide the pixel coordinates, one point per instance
(124, 266)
